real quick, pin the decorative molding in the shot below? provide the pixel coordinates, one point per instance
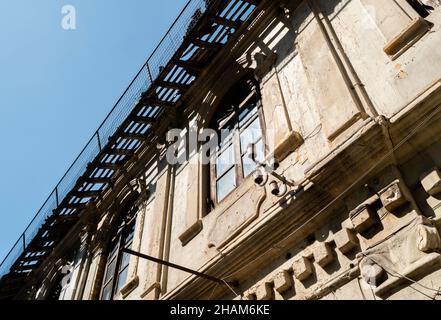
(234, 217)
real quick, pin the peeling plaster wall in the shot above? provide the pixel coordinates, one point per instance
(306, 91)
(322, 96)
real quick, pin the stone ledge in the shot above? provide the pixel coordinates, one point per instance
(288, 145)
(412, 33)
(131, 285)
(421, 267)
(191, 232)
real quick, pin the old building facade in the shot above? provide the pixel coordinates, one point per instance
(343, 99)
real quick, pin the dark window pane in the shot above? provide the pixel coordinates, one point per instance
(226, 184)
(250, 135)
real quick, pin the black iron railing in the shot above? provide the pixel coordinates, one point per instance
(160, 57)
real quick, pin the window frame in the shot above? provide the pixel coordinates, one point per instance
(236, 143)
(419, 8)
(117, 243)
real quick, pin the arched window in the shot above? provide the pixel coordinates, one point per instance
(239, 122)
(117, 266)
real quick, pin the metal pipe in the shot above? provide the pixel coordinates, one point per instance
(174, 266)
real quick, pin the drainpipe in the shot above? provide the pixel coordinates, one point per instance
(351, 77)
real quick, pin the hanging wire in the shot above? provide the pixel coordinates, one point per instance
(396, 274)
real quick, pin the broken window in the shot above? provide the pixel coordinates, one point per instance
(239, 123)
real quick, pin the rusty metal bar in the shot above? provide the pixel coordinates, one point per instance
(178, 267)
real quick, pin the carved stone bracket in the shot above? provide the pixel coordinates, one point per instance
(393, 197)
(428, 239)
(302, 268)
(431, 182)
(412, 252)
(362, 218)
(346, 240)
(264, 63)
(191, 232)
(265, 291)
(323, 254)
(283, 282)
(371, 272)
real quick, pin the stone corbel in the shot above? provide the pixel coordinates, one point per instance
(431, 182)
(411, 34)
(264, 64)
(302, 268)
(289, 144)
(346, 240)
(362, 218)
(323, 254)
(428, 239)
(413, 252)
(392, 197)
(131, 285)
(283, 282)
(265, 292)
(191, 232)
(152, 292)
(371, 272)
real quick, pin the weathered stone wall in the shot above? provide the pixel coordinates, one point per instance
(342, 84)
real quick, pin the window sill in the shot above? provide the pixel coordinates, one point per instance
(407, 38)
(236, 213)
(289, 144)
(131, 285)
(191, 233)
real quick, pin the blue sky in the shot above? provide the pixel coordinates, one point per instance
(56, 87)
